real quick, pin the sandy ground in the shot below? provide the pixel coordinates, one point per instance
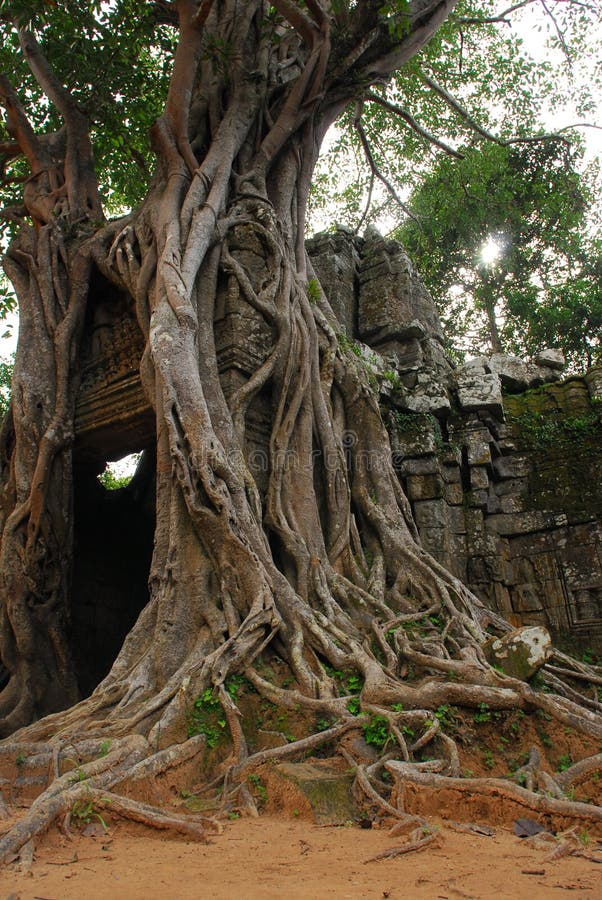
(287, 858)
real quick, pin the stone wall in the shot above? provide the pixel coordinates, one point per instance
(501, 461)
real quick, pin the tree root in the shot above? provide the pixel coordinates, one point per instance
(192, 827)
(88, 787)
(498, 790)
(418, 841)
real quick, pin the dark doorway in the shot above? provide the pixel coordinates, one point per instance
(113, 542)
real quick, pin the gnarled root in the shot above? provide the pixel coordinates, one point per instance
(89, 785)
(501, 792)
(418, 840)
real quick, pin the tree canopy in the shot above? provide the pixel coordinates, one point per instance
(538, 286)
(473, 81)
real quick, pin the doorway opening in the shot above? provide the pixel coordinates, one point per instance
(113, 541)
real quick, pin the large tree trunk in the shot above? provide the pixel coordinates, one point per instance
(323, 565)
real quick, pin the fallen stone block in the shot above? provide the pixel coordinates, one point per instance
(520, 653)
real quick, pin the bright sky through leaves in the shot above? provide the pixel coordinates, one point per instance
(490, 251)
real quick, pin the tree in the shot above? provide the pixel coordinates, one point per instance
(322, 567)
(539, 286)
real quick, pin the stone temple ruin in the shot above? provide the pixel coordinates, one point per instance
(500, 458)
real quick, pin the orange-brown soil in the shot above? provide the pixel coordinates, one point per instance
(281, 857)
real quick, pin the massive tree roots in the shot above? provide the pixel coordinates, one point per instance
(309, 556)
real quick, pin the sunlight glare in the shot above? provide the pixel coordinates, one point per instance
(490, 251)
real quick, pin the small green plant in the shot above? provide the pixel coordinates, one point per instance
(234, 684)
(565, 762)
(489, 759)
(207, 717)
(445, 715)
(354, 706)
(376, 731)
(233, 816)
(393, 378)
(397, 707)
(295, 812)
(545, 738)
(84, 811)
(515, 727)
(483, 715)
(323, 724)
(258, 787)
(313, 290)
(354, 683)
(584, 838)
(104, 748)
(20, 760)
(78, 775)
(346, 344)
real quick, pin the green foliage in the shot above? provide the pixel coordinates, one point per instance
(488, 68)
(313, 290)
(542, 430)
(6, 374)
(488, 759)
(346, 344)
(483, 715)
(565, 762)
(84, 811)
(207, 717)
(376, 731)
(234, 684)
(446, 715)
(544, 289)
(115, 58)
(259, 789)
(323, 724)
(354, 706)
(112, 482)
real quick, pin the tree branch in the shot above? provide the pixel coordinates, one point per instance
(414, 125)
(47, 80)
(19, 126)
(499, 18)
(202, 13)
(425, 21)
(558, 30)
(374, 168)
(461, 111)
(302, 24)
